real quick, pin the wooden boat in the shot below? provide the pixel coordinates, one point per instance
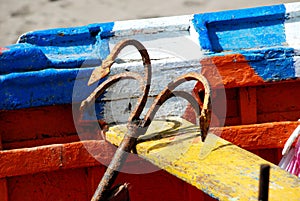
(249, 56)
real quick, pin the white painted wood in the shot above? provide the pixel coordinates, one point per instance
(297, 65)
(173, 52)
(118, 97)
(292, 25)
(292, 32)
(117, 111)
(152, 25)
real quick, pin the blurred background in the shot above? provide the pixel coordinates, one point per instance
(17, 17)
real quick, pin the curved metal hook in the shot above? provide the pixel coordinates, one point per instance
(135, 126)
(204, 117)
(128, 141)
(107, 83)
(104, 70)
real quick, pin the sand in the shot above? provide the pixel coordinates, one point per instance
(20, 16)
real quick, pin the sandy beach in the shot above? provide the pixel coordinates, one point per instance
(17, 17)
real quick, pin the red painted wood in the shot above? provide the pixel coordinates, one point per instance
(258, 136)
(57, 185)
(3, 183)
(65, 170)
(53, 157)
(248, 108)
(36, 123)
(3, 189)
(279, 98)
(232, 109)
(193, 194)
(40, 142)
(274, 102)
(1, 144)
(75, 184)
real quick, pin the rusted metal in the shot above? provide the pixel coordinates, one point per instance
(204, 116)
(137, 126)
(130, 139)
(119, 193)
(110, 81)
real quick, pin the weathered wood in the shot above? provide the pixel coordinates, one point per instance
(93, 179)
(3, 189)
(226, 173)
(3, 182)
(53, 157)
(1, 143)
(258, 136)
(252, 137)
(248, 108)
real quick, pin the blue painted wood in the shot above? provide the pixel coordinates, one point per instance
(39, 88)
(272, 64)
(44, 66)
(58, 48)
(72, 36)
(240, 29)
(22, 57)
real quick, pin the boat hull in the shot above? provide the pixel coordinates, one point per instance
(43, 153)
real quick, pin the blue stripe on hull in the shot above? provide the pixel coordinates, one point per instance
(257, 33)
(43, 70)
(240, 29)
(58, 48)
(40, 88)
(273, 64)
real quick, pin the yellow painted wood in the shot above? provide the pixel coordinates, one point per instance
(225, 171)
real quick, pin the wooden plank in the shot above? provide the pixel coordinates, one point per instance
(226, 173)
(3, 182)
(258, 136)
(1, 143)
(248, 105)
(278, 116)
(3, 189)
(74, 155)
(36, 123)
(94, 174)
(53, 157)
(40, 142)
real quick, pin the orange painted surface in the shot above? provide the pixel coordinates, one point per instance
(55, 157)
(69, 172)
(260, 136)
(248, 102)
(219, 70)
(52, 157)
(251, 101)
(248, 98)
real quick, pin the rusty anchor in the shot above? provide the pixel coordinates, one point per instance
(136, 126)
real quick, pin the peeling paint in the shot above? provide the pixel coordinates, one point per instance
(214, 174)
(270, 48)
